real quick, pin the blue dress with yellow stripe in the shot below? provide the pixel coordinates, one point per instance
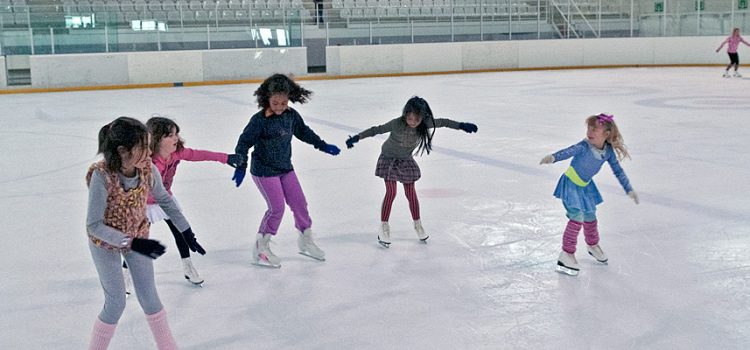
(576, 187)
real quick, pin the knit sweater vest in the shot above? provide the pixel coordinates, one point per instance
(126, 210)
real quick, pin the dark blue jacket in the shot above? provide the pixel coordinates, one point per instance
(271, 138)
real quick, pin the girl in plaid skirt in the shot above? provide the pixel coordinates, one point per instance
(413, 130)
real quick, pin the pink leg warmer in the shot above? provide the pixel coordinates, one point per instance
(101, 335)
(570, 237)
(160, 328)
(591, 232)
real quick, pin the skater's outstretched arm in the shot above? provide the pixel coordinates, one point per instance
(722, 44)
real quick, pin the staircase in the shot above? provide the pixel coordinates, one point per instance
(569, 21)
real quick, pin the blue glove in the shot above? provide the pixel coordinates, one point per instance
(331, 149)
(351, 141)
(237, 160)
(239, 175)
(468, 127)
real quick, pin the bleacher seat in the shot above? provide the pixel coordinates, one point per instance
(195, 5)
(140, 5)
(81, 7)
(170, 5)
(259, 4)
(174, 16)
(127, 6)
(6, 18)
(153, 5)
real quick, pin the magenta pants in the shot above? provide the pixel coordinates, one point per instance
(277, 190)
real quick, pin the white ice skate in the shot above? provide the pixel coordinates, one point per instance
(737, 74)
(384, 238)
(308, 248)
(598, 254)
(262, 255)
(128, 281)
(567, 264)
(191, 274)
(423, 236)
(726, 74)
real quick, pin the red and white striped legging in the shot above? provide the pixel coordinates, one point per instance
(390, 195)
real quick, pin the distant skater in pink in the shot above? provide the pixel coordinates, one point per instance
(733, 42)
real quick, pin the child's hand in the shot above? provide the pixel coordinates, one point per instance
(192, 242)
(468, 127)
(633, 195)
(351, 141)
(548, 159)
(239, 175)
(331, 149)
(148, 247)
(237, 160)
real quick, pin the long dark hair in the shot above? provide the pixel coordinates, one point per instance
(420, 107)
(160, 127)
(280, 84)
(123, 132)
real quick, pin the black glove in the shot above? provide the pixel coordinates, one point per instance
(192, 242)
(148, 247)
(351, 141)
(468, 127)
(237, 160)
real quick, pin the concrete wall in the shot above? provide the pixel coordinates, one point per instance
(442, 57)
(49, 71)
(3, 78)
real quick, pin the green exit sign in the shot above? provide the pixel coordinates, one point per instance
(659, 7)
(700, 5)
(742, 4)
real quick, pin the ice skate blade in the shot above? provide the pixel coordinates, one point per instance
(599, 261)
(266, 264)
(384, 244)
(424, 240)
(603, 262)
(313, 257)
(566, 270)
(195, 283)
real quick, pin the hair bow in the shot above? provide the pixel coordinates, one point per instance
(605, 118)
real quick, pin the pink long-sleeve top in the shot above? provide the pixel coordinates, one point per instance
(734, 43)
(168, 167)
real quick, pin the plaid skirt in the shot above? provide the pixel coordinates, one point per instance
(401, 170)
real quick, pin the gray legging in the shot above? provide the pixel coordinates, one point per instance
(141, 268)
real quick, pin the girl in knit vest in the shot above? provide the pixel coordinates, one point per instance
(733, 43)
(578, 192)
(167, 150)
(412, 130)
(117, 227)
(269, 132)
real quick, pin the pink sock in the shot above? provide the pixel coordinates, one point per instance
(160, 328)
(591, 232)
(570, 237)
(101, 335)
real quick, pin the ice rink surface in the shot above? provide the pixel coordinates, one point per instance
(679, 270)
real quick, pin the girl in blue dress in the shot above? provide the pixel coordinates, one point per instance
(577, 190)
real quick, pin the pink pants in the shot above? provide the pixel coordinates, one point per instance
(279, 189)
